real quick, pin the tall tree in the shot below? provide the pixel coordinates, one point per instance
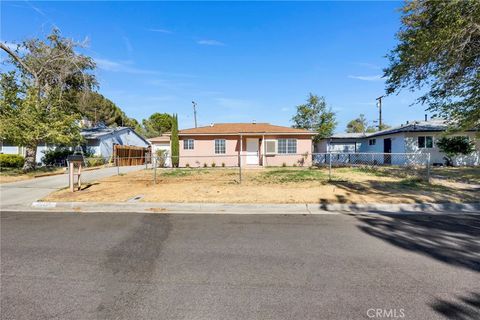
(314, 115)
(101, 110)
(157, 124)
(175, 143)
(439, 53)
(358, 125)
(39, 99)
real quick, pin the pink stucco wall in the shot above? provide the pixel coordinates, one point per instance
(204, 152)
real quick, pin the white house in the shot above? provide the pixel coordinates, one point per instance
(162, 143)
(411, 137)
(99, 140)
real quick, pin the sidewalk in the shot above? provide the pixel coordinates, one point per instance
(220, 208)
(23, 193)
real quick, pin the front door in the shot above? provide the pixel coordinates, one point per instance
(252, 151)
(387, 148)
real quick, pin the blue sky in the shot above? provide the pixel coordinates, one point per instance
(239, 61)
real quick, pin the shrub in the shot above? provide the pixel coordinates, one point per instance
(213, 164)
(94, 162)
(205, 165)
(161, 158)
(294, 164)
(11, 161)
(284, 164)
(187, 165)
(223, 164)
(454, 146)
(56, 156)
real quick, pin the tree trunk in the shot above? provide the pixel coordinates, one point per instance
(30, 157)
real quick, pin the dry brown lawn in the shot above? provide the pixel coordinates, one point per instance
(13, 175)
(271, 185)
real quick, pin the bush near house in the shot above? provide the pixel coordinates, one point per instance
(11, 161)
(56, 156)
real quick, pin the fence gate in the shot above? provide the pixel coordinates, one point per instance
(130, 155)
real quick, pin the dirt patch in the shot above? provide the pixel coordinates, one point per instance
(271, 185)
(12, 175)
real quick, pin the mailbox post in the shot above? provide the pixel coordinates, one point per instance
(75, 160)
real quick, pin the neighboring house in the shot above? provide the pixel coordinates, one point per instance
(412, 137)
(340, 142)
(99, 140)
(162, 143)
(248, 144)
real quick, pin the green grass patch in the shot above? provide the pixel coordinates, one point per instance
(177, 173)
(18, 171)
(292, 175)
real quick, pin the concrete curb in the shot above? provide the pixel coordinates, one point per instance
(223, 208)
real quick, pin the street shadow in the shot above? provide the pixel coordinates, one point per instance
(452, 239)
(463, 308)
(411, 189)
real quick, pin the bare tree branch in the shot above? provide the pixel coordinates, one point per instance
(19, 60)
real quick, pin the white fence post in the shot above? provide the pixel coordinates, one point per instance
(428, 168)
(330, 166)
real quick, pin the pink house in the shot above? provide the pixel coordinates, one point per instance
(248, 144)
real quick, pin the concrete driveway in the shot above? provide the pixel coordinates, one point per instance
(23, 193)
(158, 266)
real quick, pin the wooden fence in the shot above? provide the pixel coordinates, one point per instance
(130, 155)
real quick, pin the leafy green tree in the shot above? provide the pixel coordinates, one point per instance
(175, 142)
(38, 101)
(315, 116)
(438, 53)
(99, 109)
(358, 125)
(157, 124)
(454, 146)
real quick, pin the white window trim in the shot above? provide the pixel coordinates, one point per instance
(425, 147)
(186, 141)
(275, 141)
(373, 140)
(224, 146)
(286, 146)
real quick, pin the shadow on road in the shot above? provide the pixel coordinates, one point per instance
(464, 308)
(453, 239)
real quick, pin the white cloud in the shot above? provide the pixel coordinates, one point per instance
(160, 31)
(128, 45)
(376, 77)
(115, 66)
(210, 42)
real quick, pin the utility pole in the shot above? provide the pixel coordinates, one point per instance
(379, 105)
(195, 112)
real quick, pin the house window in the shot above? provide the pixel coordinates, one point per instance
(270, 147)
(219, 146)
(372, 142)
(188, 144)
(425, 142)
(287, 145)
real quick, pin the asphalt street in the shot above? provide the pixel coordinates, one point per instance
(159, 266)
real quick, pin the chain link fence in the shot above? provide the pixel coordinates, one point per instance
(395, 164)
(157, 169)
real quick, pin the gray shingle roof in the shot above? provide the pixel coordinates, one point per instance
(414, 126)
(98, 132)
